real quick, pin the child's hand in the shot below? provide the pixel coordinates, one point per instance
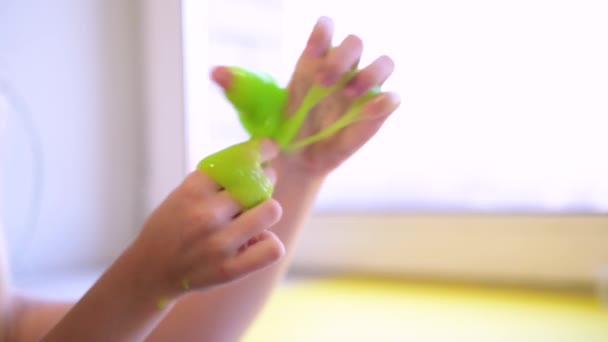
(200, 237)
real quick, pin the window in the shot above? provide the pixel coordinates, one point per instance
(503, 103)
(494, 158)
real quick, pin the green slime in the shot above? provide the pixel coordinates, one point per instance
(260, 103)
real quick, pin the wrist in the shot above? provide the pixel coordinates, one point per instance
(296, 184)
(298, 172)
(147, 283)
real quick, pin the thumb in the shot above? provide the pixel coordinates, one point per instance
(222, 76)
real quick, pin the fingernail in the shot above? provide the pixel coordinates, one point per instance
(317, 44)
(324, 20)
(393, 99)
(383, 105)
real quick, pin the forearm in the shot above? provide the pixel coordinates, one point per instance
(296, 191)
(121, 306)
(224, 313)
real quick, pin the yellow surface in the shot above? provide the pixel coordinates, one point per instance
(383, 310)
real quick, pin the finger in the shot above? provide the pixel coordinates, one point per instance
(227, 207)
(252, 222)
(381, 105)
(308, 64)
(264, 252)
(268, 150)
(252, 241)
(198, 185)
(223, 207)
(374, 74)
(340, 60)
(320, 38)
(271, 174)
(373, 116)
(222, 76)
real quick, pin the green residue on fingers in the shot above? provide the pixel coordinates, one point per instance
(260, 103)
(349, 117)
(162, 303)
(185, 283)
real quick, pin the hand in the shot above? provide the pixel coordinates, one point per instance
(200, 236)
(321, 64)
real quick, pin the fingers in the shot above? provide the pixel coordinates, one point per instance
(218, 207)
(373, 75)
(251, 223)
(223, 207)
(266, 250)
(340, 60)
(198, 185)
(320, 38)
(268, 150)
(222, 76)
(373, 115)
(271, 174)
(381, 105)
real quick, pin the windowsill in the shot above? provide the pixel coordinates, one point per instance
(367, 309)
(547, 250)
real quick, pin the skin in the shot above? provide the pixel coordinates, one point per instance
(238, 169)
(193, 241)
(231, 262)
(261, 103)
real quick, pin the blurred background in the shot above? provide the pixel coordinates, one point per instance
(479, 209)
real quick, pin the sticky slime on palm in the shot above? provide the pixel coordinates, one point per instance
(260, 103)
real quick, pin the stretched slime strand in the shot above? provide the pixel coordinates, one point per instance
(349, 117)
(292, 125)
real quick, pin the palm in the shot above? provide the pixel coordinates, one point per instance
(317, 60)
(327, 153)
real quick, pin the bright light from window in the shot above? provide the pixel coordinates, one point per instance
(504, 103)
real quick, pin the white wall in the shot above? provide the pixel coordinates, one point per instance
(76, 66)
